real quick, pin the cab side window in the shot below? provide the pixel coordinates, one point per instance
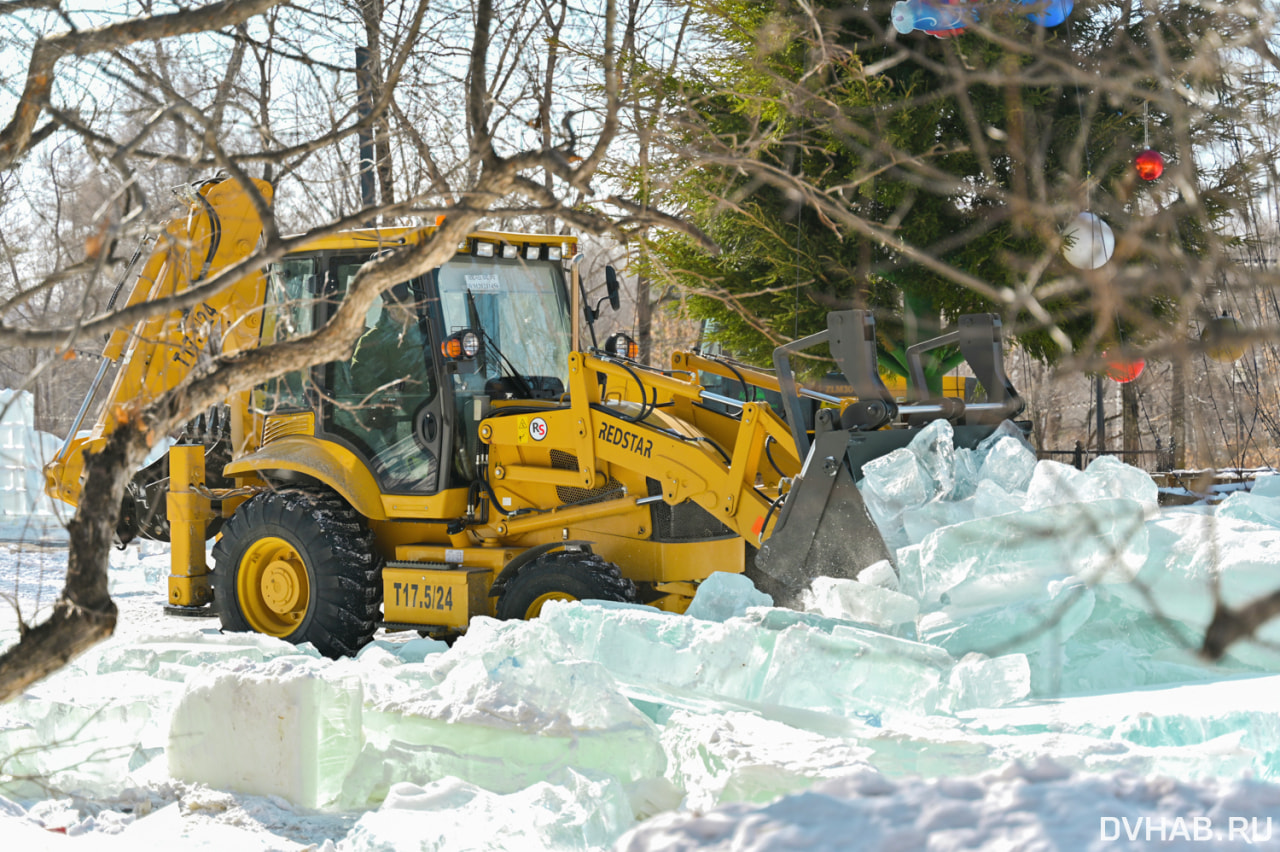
(290, 313)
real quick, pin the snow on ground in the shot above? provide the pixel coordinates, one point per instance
(927, 708)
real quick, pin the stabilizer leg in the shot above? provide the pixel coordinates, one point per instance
(189, 512)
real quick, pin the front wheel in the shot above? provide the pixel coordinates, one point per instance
(566, 575)
(299, 566)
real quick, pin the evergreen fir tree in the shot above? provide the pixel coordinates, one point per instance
(970, 151)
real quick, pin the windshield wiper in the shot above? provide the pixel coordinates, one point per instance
(525, 389)
(504, 363)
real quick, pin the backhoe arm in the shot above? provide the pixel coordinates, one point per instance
(155, 355)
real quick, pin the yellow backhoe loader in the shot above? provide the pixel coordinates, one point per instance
(473, 458)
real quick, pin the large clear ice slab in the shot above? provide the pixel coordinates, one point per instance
(868, 604)
(935, 448)
(515, 674)
(851, 671)
(991, 499)
(102, 723)
(1195, 557)
(1004, 429)
(898, 485)
(569, 811)
(897, 480)
(723, 596)
(968, 465)
(290, 727)
(991, 480)
(642, 645)
(1256, 506)
(772, 656)
(1007, 558)
(1008, 462)
(173, 658)
(919, 522)
(508, 705)
(1266, 485)
(890, 485)
(1111, 477)
(1138, 633)
(881, 574)
(85, 734)
(1224, 727)
(1054, 483)
(980, 681)
(741, 757)
(1103, 626)
(1039, 626)
(910, 571)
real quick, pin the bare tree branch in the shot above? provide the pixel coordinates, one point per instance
(16, 137)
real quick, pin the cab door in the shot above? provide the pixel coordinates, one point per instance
(385, 402)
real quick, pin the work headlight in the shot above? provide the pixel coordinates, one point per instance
(620, 345)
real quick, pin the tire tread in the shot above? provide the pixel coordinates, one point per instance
(562, 570)
(339, 550)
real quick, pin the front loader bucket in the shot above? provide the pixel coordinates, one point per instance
(824, 529)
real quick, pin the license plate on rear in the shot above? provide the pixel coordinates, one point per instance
(446, 597)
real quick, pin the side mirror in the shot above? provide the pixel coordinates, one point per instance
(611, 287)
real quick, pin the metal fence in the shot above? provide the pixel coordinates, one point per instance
(1153, 461)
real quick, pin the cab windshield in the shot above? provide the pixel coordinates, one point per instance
(523, 310)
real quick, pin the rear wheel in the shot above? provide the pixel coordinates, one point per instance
(563, 576)
(299, 566)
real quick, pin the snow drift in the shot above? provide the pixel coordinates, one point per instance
(1026, 676)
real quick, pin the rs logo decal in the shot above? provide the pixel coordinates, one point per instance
(538, 429)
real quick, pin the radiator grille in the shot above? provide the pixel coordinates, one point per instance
(685, 521)
(560, 460)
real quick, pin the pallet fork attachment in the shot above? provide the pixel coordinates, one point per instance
(824, 528)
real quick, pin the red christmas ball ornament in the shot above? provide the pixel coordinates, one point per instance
(1122, 370)
(1149, 164)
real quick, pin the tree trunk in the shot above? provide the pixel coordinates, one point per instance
(371, 11)
(1129, 422)
(1178, 412)
(85, 614)
(644, 318)
(1099, 413)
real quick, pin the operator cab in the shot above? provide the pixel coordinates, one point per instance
(407, 403)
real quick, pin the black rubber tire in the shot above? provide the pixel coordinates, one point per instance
(343, 569)
(572, 573)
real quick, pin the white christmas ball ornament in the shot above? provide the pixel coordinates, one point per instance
(1089, 242)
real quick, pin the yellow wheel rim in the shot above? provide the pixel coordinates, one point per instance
(535, 608)
(272, 586)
